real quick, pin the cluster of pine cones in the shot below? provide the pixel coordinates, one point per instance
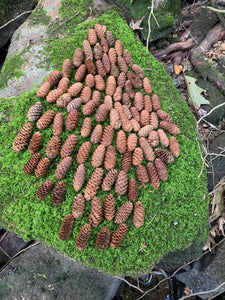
(135, 118)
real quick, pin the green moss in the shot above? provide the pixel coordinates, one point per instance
(39, 16)
(180, 199)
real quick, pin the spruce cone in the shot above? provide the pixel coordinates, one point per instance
(107, 136)
(103, 238)
(147, 103)
(126, 161)
(110, 86)
(128, 58)
(135, 113)
(135, 80)
(100, 68)
(131, 142)
(45, 120)
(96, 97)
(139, 214)
(161, 169)
(80, 73)
(118, 236)
(104, 44)
(86, 128)
(96, 212)
(22, 139)
(42, 167)
(82, 237)
(54, 95)
(44, 190)
(92, 37)
(132, 190)
(44, 90)
(121, 184)
(119, 47)
(110, 38)
(78, 206)
(139, 101)
(129, 89)
(109, 207)
(144, 117)
(99, 83)
(69, 145)
(153, 176)
(101, 113)
(145, 131)
(121, 142)
(83, 152)
(127, 111)
(135, 125)
(75, 89)
(58, 124)
(31, 164)
(106, 62)
(100, 30)
(63, 167)
(64, 84)
(126, 100)
(71, 120)
(67, 68)
(79, 177)
(54, 78)
(147, 149)
(85, 94)
(59, 192)
(114, 71)
(118, 107)
(169, 127)
(124, 212)
(112, 55)
(110, 158)
(93, 184)
(142, 175)
(174, 147)
(138, 71)
(74, 104)
(90, 80)
(91, 68)
(155, 102)
(77, 57)
(89, 108)
(154, 122)
(121, 79)
(66, 228)
(163, 138)
(164, 155)
(98, 156)
(53, 147)
(108, 101)
(164, 115)
(98, 51)
(35, 143)
(147, 86)
(114, 117)
(153, 138)
(109, 180)
(96, 134)
(122, 64)
(63, 100)
(87, 50)
(117, 96)
(137, 157)
(34, 112)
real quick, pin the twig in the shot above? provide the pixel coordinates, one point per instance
(130, 285)
(12, 20)
(204, 163)
(209, 113)
(64, 22)
(151, 14)
(195, 5)
(214, 9)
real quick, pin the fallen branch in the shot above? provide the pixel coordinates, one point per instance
(24, 13)
(214, 9)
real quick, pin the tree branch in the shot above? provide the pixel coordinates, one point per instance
(6, 24)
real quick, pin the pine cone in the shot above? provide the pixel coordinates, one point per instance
(75, 89)
(35, 143)
(71, 120)
(147, 86)
(128, 58)
(80, 73)
(135, 125)
(69, 145)
(66, 228)
(54, 95)
(135, 113)
(109, 207)
(98, 156)
(86, 128)
(107, 136)
(118, 107)
(121, 184)
(121, 79)
(174, 147)
(89, 108)
(129, 89)
(145, 131)
(110, 86)
(110, 158)
(45, 120)
(161, 169)
(169, 127)
(139, 101)
(58, 124)
(117, 96)
(59, 192)
(79, 177)
(101, 113)
(155, 102)
(63, 167)
(163, 138)
(31, 164)
(124, 212)
(77, 57)
(138, 71)
(44, 190)
(109, 180)
(114, 71)
(96, 97)
(22, 139)
(108, 101)
(100, 30)
(103, 238)
(53, 147)
(96, 134)
(98, 52)
(90, 80)
(142, 175)
(78, 206)
(153, 176)
(67, 68)
(137, 157)
(34, 112)
(92, 37)
(85, 94)
(144, 117)
(104, 44)
(64, 84)
(118, 236)
(63, 100)
(119, 47)
(54, 78)
(96, 212)
(135, 80)
(115, 121)
(110, 38)
(82, 237)
(132, 190)
(153, 138)
(164, 155)
(154, 122)
(87, 50)
(93, 184)
(106, 62)
(121, 142)
(100, 68)
(99, 83)
(91, 68)
(126, 161)
(139, 214)
(42, 167)
(83, 152)
(44, 90)
(147, 103)
(131, 142)
(147, 149)
(164, 115)
(122, 64)
(74, 104)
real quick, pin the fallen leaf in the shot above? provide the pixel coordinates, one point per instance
(136, 25)
(177, 69)
(194, 92)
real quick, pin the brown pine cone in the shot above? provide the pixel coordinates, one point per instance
(174, 147)
(54, 78)
(77, 57)
(75, 89)
(100, 68)
(121, 79)
(79, 177)
(96, 134)
(80, 73)
(64, 84)
(139, 214)
(144, 117)
(69, 145)
(82, 237)
(163, 138)
(124, 212)
(131, 142)
(100, 30)
(118, 107)
(126, 124)
(121, 142)
(96, 97)
(164, 155)
(127, 112)
(106, 62)
(34, 112)
(35, 143)
(63, 167)
(67, 68)
(42, 167)
(110, 158)
(78, 206)
(153, 176)
(53, 147)
(98, 51)
(114, 117)
(96, 212)
(103, 238)
(155, 102)
(109, 180)
(118, 236)
(147, 149)
(122, 64)
(87, 49)
(153, 119)
(108, 101)
(126, 161)
(22, 139)
(59, 192)
(31, 164)
(43, 90)
(138, 101)
(153, 138)
(89, 108)
(85, 94)
(142, 175)
(164, 115)
(93, 184)
(135, 80)
(92, 37)
(147, 86)
(119, 47)
(121, 183)
(135, 113)
(104, 44)
(74, 104)
(83, 152)
(90, 80)
(114, 71)
(86, 128)
(101, 113)
(128, 58)
(99, 83)
(145, 131)
(54, 95)
(71, 120)
(169, 127)
(44, 190)
(66, 228)
(98, 156)
(147, 103)
(91, 68)
(137, 157)
(132, 190)
(110, 38)
(112, 55)
(63, 100)
(129, 89)
(109, 207)
(135, 125)
(161, 169)
(138, 71)
(107, 136)
(58, 124)
(117, 96)
(110, 86)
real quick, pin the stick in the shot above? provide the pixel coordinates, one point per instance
(64, 22)
(25, 12)
(209, 113)
(214, 9)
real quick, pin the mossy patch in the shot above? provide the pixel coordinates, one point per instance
(39, 16)
(176, 214)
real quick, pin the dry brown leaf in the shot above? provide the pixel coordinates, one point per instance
(177, 69)
(136, 25)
